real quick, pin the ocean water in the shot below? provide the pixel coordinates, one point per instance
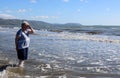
(84, 53)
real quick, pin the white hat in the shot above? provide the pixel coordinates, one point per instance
(25, 22)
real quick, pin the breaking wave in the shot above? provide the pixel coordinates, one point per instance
(82, 36)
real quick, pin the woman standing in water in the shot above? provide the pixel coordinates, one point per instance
(22, 41)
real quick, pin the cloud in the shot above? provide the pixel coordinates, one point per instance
(33, 1)
(54, 17)
(39, 17)
(66, 0)
(108, 9)
(7, 16)
(22, 10)
(30, 9)
(86, 1)
(8, 11)
(81, 0)
(44, 17)
(78, 10)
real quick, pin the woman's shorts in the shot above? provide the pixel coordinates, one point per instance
(22, 54)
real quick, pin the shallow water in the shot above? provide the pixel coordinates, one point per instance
(75, 54)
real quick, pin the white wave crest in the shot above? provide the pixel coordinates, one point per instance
(79, 36)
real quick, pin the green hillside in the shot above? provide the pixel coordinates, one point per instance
(39, 25)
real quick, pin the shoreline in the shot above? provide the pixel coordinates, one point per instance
(10, 70)
(43, 70)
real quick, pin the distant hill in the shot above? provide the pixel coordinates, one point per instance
(38, 24)
(9, 22)
(17, 23)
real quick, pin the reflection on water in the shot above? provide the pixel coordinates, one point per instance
(81, 53)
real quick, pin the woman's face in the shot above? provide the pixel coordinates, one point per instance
(24, 27)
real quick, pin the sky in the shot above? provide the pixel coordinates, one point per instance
(86, 12)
